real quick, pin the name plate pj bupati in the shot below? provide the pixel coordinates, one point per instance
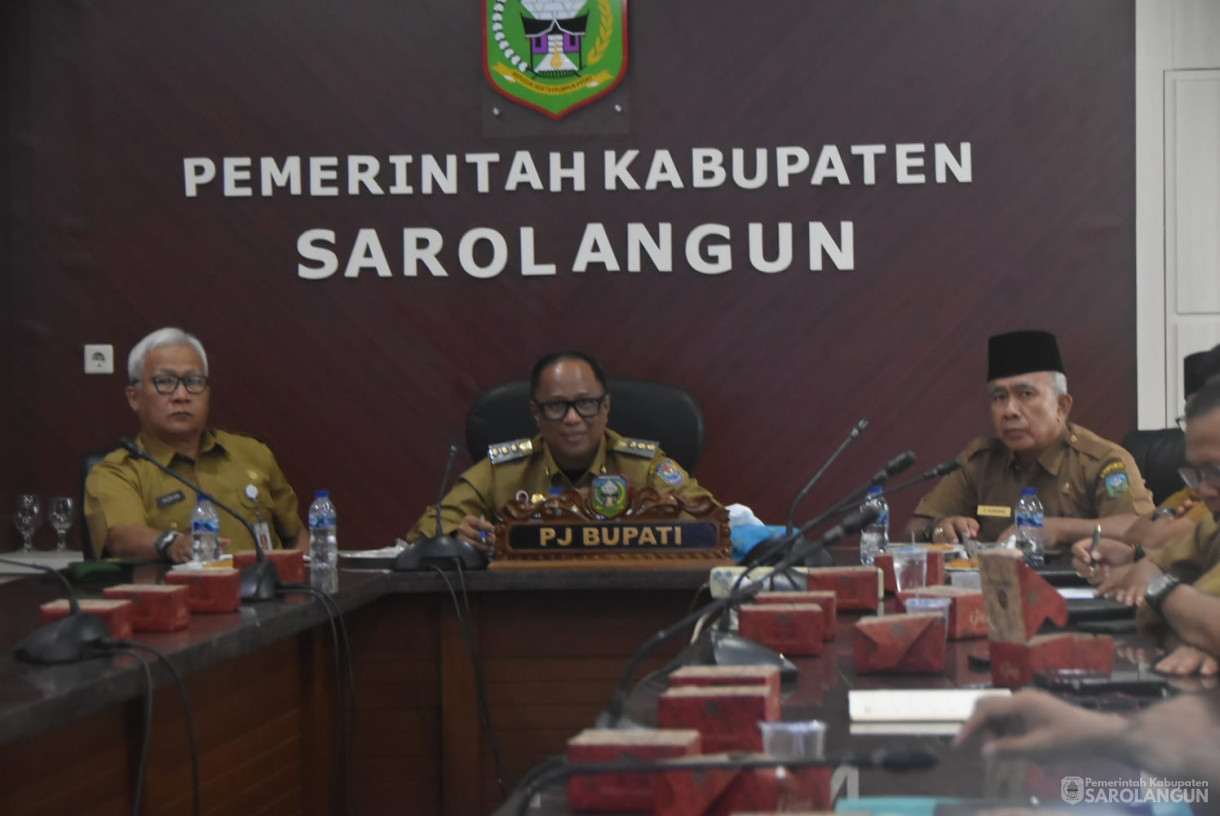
(611, 524)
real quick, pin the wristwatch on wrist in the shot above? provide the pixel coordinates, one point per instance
(1138, 553)
(163, 542)
(1159, 589)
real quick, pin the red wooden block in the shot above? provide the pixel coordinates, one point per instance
(791, 629)
(155, 607)
(627, 792)
(857, 588)
(290, 564)
(885, 563)
(691, 793)
(1014, 664)
(210, 590)
(823, 598)
(1017, 599)
(967, 616)
(936, 568)
(765, 676)
(726, 717)
(116, 614)
(900, 643)
(769, 790)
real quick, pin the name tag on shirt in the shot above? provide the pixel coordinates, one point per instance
(170, 498)
(994, 511)
(263, 531)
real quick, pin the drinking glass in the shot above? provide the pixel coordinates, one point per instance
(794, 740)
(910, 568)
(26, 519)
(59, 513)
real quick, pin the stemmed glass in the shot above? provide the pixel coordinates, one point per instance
(59, 513)
(27, 518)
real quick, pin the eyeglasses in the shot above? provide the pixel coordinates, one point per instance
(168, 383)
(586, 407)
(1181, 421)
(1196, 476)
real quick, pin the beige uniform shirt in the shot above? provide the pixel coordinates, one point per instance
(1081, 476)
(122, 489)
(1194, 557)
(487, 487)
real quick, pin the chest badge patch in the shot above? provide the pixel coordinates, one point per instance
(170, 499)
(609, 494)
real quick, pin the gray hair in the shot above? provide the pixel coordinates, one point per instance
(1059, 382)
(162, 338)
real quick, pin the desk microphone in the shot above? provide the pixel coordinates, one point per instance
(259, 581)
(66, 640)
(440, 550)
(852, 436)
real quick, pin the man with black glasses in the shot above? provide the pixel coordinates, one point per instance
(1176, 586)
(136, 511)
(573, 446)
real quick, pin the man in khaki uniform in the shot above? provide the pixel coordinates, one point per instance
(571, 406)
(136, 511)
(1081, 478)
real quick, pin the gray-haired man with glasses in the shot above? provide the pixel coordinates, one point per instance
(573, 446)
(136, 511)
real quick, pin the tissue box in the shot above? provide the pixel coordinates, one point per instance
(626, 792)
(822, 598)
(155, 607)
(209, 590)
(765, 676)
(856, 588)
(762, 790)
(726, 717)
(791, 629)
(900, 643)
(290, 564)
(967, 616)
(116, 614)
(1014, 664)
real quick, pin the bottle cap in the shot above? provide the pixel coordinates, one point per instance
(321, 494)
(875, 490)
(1029, 491)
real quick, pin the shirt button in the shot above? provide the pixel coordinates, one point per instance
(173, 525)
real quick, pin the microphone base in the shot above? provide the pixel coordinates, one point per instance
(64, 641)
(259, 582)
(716, 648)
(442, 552)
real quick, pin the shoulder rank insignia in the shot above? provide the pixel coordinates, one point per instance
(636, 447)
(1115, 477)
(509, 451)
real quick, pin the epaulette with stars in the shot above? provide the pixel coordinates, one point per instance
(503, 452)
(646, 448)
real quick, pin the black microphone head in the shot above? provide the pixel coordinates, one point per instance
(947, 467)
(859, 518)
(129, 446)
(899, 463)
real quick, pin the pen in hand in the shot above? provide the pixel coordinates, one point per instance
(1094, 548)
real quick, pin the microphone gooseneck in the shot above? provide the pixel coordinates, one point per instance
(852, 436)
(66, 640)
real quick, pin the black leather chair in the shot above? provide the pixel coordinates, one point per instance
(86, 464)
(638, 408)
(1158, 454)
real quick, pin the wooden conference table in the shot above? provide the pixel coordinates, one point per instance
(553, 644)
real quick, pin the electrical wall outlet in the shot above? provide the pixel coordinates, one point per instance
(99, 358)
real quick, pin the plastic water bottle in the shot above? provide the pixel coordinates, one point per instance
(323, 543)
(1028, 514)
(205, 532)
(875, 536)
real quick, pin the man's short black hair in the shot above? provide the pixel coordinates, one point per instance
(554, 357)
(1205, 400)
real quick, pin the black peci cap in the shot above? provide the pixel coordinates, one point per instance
(1021, 352)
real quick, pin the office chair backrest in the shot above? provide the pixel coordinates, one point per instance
(638, 408)
(87, 463)
(1158, 454)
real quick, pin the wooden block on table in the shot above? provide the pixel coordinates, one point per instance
(823, 598)
(967, 617)
(1017, 600)
(763, 790)
(116, 614)
(626, 792)
(1014, 664)
(155, 607)
(855, 588)
(290, 564)
(790, 629)
(726, 717)
(209, 590)
(900, 643)
(766, 676)
(691, 793)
